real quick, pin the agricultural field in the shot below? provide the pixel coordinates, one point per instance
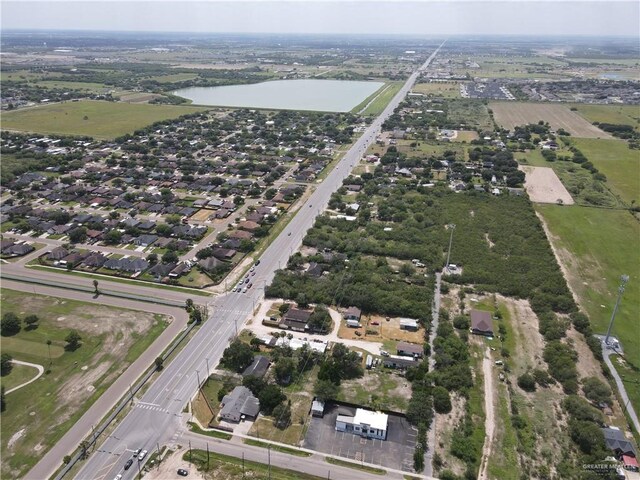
(438, 89)
(39, 414)
(616, 114)
(596, 247)
(514, 67)
(103, 120)
(618, 162)
(511, 114)
(543, 186)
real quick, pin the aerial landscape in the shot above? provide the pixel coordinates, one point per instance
(320, 240)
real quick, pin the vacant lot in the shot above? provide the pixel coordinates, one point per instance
(596, 247)
(509, 115)
(618, 162)
(38, 414)
(438, 89)
(92, 118)
(543, 186)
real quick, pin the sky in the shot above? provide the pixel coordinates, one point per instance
(420, 17)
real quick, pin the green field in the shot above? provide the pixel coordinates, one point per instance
(617, 161)
(379, 100)
(618, 114)
(85, 86)
(175, 77)
(19, 375)
(93, 118)
(39, 414)
(598, 246)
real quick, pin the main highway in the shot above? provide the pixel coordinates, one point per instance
(156, 417)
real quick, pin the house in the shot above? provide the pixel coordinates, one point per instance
(161, 270)
(210, 264)
(314, 270)
(409, 324)
(397, 362)
(617, 442)
(249, 226)
(95, 260)
(365, 423)
(406, 349)
(352, 313)
(179, 270)
(145, 240)
(224, 253)
(296, 319)
(57, 253)
(238, 405)
(258, 367)
(481, 323)
(18, 250)
(317, 408)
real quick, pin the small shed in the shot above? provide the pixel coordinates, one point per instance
(409, 324)
(353, 324)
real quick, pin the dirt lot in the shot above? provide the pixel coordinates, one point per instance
(385, 330)
(543, 186)
(169, 466)
(508, 115)
(201, 215)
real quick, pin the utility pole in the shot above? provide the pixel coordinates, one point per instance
(623, 282)
(452, 227)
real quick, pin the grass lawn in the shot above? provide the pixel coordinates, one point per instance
(97, 119)
(209, 433)
(18, 375)
(617, 161)
(39, 414)
(84, 86)
(597, 247)
(342, 463)
(223, 467)
(438, 89)
(379, 389)
(616, 114)
(277, 448)
(379, 100)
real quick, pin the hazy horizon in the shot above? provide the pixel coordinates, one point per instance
(408, 18)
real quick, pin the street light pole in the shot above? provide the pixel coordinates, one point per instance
(452, 227)
(623, 282)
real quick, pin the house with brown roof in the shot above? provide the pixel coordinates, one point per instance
(481, 323)
(296, 319)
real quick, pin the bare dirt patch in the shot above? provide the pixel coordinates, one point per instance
(378, 328)
(201, 215)
(444, 425)
(170, 464)
(509, 115)
(543, 186)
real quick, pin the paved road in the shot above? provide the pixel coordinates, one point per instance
(53, 458)
(626, 403)
(156, 418)
(40, 369)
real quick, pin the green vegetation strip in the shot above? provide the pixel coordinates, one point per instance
(225, 466)
(209, 433)
(277, 448)
(365, 468)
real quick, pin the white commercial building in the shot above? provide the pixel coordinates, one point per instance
(364, 423)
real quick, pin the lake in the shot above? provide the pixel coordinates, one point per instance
(317, 95)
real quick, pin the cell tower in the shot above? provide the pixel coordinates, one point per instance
(623, 282)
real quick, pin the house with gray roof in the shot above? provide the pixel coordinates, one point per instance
(239, 404)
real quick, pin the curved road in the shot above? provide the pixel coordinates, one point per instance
(156, 419)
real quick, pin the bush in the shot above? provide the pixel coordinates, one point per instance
(596, 390)
(237, 356)
(462, 322)
(5, 364)
(527, 382)
(10, 324)
(441, 400)
(562, 359)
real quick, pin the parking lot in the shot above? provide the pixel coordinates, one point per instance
(394, 452)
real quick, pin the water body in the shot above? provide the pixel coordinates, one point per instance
(317, 95)
(611, 76)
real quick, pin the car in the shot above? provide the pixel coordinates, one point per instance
(244, 290)
(257, 263)
(252, 269)
(143, 454)
(182, 472)
(375, 323)
(118, 477)
(253, 273)
(250, 285)
(128, 464)
(246, 280)
(138, 450)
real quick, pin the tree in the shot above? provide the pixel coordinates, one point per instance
(188, 304)
(462, 322)
(320, 319)
(10, 324)
(49, 348)
(587, 436)
(270, 397)
(301, 300)
(31, 321)
(95, 287)
(5, 364)
(441, 400)
(152, 258)
(73, 341)
(325, 390)
(159, 363)
(237, 356)
(66, 459)
(3, 402)
(284, 370)
(113, 237)
(169, 257)
(596, 390)
(78, 235)
(282, 415)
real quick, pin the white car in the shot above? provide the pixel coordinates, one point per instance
(118, 477)
(143, 454)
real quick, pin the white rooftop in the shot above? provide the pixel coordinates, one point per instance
(377, 420)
